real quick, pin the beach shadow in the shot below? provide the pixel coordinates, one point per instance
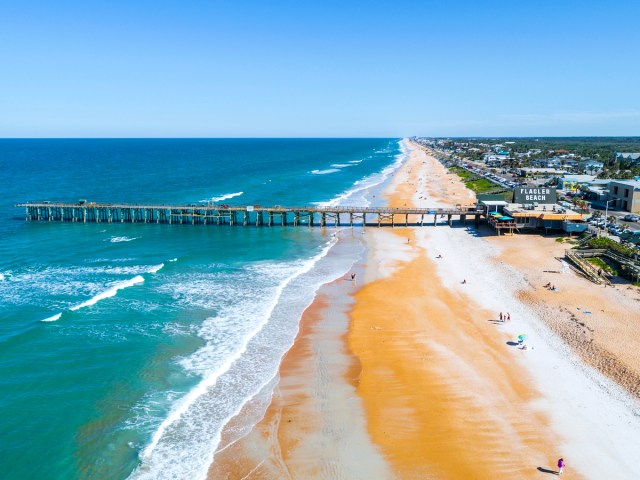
(495, 322)
(546, 470)
(512, 344)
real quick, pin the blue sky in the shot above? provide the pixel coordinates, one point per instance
(327, 69)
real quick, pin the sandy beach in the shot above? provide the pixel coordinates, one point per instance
(408, 373)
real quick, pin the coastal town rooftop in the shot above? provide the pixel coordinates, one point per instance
(545, 211)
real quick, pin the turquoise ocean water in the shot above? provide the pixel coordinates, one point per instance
(124, 349)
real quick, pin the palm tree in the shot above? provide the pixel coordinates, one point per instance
(582, 205)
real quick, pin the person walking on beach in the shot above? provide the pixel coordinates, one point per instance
(353, 277)
(500, 316)
(560, 466)
(508, 317)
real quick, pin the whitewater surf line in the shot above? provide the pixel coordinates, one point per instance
(108, 293)
(154, 456)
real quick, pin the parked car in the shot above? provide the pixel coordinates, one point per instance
(626, 235)
(630, 217)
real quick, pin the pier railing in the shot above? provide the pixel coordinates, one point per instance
(223, 214)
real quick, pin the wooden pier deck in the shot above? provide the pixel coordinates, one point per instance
(245, 215)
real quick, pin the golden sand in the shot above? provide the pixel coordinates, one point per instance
(441, 394)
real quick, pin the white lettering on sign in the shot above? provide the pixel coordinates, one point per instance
(528, 194)
(536, 191)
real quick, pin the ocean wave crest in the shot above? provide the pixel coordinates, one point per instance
(52, 318)
(121, 239)
(110, 292)
(226, 196)
(342, 165)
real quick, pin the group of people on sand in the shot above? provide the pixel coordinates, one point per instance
(505, 318)
(548, 286)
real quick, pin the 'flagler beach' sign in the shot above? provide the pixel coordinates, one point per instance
(539, 195)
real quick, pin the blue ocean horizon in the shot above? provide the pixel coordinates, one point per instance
(126, 348)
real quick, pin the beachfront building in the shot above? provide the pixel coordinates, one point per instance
(547, 217)
(625, 195)
(507, 217)
(532, 209)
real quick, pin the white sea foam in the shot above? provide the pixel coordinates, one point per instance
(233, 371)
(325, 172)
(110, 260)
(173, 260)
(2, 277)
(53, 318)
(226, 196)
(121, 239)
(342, 165)
(155, 268)
(355, 161)
(110, 292)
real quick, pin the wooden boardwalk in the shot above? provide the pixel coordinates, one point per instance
(244, 215)
(596, 274)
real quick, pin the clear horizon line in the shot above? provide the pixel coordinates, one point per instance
(318, 137)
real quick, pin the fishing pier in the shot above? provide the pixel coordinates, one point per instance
(257, 215)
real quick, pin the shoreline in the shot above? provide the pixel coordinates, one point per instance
(419, 348)
(306, 418)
